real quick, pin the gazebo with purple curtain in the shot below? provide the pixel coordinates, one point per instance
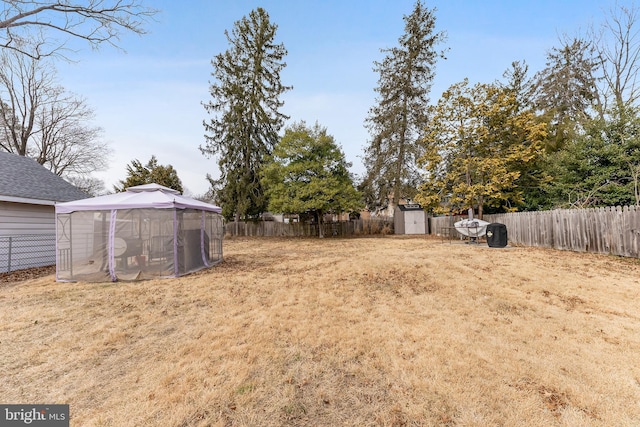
(147, 231)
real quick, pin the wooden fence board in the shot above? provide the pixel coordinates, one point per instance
(610, 230)
(298, 229)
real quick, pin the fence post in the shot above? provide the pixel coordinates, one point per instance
(9, 260)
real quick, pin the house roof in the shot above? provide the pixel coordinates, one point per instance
(23, 180)
(141, 196)
(410, 207)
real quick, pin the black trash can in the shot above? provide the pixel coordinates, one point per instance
(496, 235)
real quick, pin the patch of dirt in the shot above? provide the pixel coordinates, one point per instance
(26, 274)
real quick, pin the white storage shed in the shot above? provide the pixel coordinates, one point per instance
(410, 219)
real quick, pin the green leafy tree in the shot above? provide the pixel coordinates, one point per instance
(601, 167)
(307, 173)
(534, 175)
(395, 123)
(151, 173)
(245, 104)
(475, 145)
(519, 85)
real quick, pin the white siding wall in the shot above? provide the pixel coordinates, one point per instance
(22, 218)
(21, 226)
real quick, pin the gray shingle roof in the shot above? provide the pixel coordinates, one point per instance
(22, 177)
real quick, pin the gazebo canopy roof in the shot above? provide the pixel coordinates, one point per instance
(139, 197)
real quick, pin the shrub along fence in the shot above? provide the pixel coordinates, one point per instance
(610, 230)
(299, 229)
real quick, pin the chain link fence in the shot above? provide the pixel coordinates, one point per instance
(27, 251)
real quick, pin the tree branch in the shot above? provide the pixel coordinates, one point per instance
(96, 21)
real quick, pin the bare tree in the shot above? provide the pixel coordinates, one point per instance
(38, 119)
(30, 26)
(618, 46)
(66, 143)
(25, 85)
(90, 185)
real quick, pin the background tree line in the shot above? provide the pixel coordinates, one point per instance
(303, 171)
(564, 136)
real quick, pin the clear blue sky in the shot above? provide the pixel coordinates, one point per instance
(148, 99)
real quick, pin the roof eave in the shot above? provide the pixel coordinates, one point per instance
(27, 200)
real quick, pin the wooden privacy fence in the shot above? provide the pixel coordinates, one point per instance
(610, 230)
(299, 229)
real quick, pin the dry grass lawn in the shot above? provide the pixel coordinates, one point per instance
(337, 332)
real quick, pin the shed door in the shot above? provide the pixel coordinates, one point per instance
(414, 222)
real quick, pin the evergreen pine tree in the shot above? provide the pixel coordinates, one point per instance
(395, 123)
(245, 108)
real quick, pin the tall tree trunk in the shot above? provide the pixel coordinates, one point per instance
(320, 225)
(399, 166)
(635, 175)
